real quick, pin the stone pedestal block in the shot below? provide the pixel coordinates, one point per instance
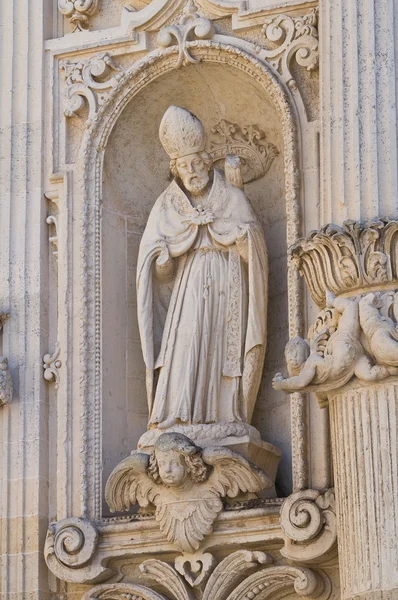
(364, 441)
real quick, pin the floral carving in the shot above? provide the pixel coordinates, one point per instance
(292, 37)
(78, 12)
(90, 80)
(308, 518)
(190, 27)
(186, 485)
(249, 143)
(51, 366)
(347, 258)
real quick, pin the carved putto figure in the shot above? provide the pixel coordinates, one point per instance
(334, 356)
(185, 483)
(202, 289)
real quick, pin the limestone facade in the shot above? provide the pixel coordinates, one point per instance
(188, 187)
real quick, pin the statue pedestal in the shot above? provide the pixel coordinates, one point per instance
(240, 437)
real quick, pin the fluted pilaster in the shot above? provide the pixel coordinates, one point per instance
(359, 109)
(23, 422)
(364, 440)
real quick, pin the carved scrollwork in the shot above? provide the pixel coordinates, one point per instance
(308, 519)
(249, 143)
(347, 258)
(69, 551)
(90, 80)
(51, 366)
(190, 27)
(292, 37)
(78, 12)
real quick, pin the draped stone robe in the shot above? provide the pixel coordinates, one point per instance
(210, 353)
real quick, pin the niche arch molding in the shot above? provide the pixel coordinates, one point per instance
(90, 173)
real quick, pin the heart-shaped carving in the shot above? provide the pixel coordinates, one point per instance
(195, 568)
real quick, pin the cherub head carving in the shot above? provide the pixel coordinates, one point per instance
(174, 459)
(185, 483)
(296, 353)
(183, 138)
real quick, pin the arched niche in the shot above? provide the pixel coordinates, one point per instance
(125, 170)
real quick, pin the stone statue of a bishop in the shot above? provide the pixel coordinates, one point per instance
(202, 289)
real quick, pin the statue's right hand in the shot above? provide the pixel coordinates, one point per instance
(164, 257)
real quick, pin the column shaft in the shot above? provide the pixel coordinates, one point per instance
(359, 166)
(364, 442)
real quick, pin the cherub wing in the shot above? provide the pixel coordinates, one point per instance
(187, 522)
(130, 484)
(232, 473)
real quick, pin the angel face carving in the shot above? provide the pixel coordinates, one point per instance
(185, 483)
(175, 459)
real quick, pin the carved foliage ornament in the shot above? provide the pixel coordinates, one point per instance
(190, 27)
(89, 80)
(248, 143)
(78, 11)
(342, 259)
(51, 366)
(292, 37)
(243, 575)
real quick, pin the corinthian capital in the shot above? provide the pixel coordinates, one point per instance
(350, 258)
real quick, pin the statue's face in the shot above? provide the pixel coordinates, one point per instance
(172, 468)
(193, 172)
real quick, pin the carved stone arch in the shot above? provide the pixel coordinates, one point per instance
(134, 80)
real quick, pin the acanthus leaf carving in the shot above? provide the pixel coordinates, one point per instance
(51, 366)
(294, 38)
(191, 26)
(308, 519)
(242, 575)
(189, 500)
(343, 259)
(248, 143)
(78, 12)
(91, 80)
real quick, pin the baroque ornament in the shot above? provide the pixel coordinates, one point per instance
(91, 80)
(292, 37)
(184, 483)
(248, 143)
(308, 518)
(69, 551)
(78, 12)
(190, 27)
(243, 575)
(357, 337)
(51, 366)
(348, 258)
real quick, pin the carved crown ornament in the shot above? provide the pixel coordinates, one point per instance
(348, 258)
(248, 143)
